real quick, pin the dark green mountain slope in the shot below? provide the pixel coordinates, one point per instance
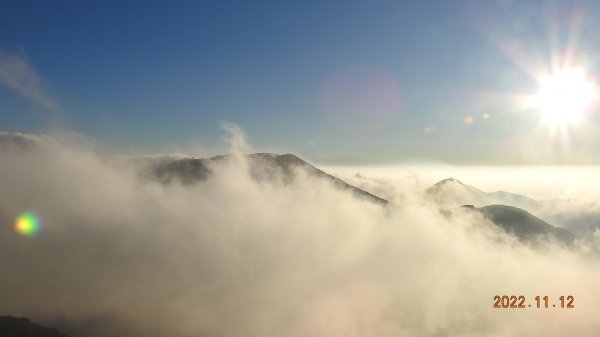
(22, 327)
(522, 224)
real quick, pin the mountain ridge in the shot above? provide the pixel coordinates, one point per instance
(263, 166)
(522, 224)
(451, 192)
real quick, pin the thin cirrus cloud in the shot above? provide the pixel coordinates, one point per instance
(17, 74)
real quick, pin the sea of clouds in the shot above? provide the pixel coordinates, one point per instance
(119, 254)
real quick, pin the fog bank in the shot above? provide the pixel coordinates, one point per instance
(120, 255)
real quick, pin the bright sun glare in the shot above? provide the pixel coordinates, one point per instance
(565, 96)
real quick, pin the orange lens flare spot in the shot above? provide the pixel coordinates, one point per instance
(468, 120)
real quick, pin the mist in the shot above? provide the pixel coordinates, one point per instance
(119, 254)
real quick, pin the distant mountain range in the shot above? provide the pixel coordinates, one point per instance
(453, 193)
(22, 327)
(507, 210)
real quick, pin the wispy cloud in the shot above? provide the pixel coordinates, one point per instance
(16, 73)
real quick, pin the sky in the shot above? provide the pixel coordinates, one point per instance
(335, 82)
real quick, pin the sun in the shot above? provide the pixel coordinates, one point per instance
(565, 96)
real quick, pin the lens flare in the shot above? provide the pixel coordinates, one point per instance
(27, 224)
(565, 96)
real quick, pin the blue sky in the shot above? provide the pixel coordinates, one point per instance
(333, 81)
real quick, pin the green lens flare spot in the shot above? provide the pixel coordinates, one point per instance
(27, 224)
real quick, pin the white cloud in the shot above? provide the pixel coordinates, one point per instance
(235, 138)
(121, 256)
(16, 73)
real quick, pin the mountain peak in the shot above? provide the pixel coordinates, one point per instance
(262, 166)
(448, 181)
(452, 192)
